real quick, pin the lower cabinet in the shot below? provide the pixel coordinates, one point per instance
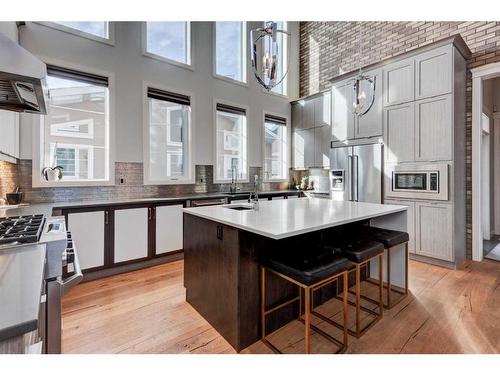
(168, 228)
(411, 220)
(130, 234)
(434, 228)
(112, 235)
(88, 232)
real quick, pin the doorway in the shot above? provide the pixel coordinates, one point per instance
(486, 162)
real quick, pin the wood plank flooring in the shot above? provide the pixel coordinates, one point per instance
(145, 312)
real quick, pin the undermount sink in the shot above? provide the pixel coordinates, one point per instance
(239, 207)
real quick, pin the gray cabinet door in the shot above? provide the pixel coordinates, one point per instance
(297, 110)
(434, 224)
(322, 137)
(411, 220)
(342, 117)
(434, 129)
(323, 110)
(399, 82)
(88, 231)
(434, 73)
(303, 148)
(370, 124)
(399, 137)
(308, 113)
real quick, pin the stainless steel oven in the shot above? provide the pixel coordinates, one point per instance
(419, 181)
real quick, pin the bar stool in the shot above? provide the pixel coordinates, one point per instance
(390, 239)
(360, 252)
(309, 270)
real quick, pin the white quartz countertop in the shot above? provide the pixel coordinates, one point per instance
(279, 219)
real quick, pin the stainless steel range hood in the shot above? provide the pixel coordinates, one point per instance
(22, 79)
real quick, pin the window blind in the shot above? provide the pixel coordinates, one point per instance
(231, 109)
(275, 119)
(168, 96)
(65, 73)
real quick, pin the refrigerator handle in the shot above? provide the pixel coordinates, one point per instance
(355, 177)
(350, 176)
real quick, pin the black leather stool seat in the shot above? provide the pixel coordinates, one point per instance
(307, 267)
(359, 250)
(388, 238)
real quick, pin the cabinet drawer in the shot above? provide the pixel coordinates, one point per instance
(434, 129)
(399, 82)
(434, 230)
(434, 73)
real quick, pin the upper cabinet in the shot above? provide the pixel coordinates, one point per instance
(9, 139)
(399, 82)
(342, 117)
(370, 124)
(434, 129)
(434, 73)
(399, 129)
(323, 110)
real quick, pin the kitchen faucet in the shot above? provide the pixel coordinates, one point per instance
(255, 193)
(234, 180)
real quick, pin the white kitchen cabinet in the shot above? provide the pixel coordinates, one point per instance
(323, 109)
(87, 230)
(303, 148)
(410, 214)
(9, 139)
(399, 137)
(434, 228)
(434, 73)
(322, 146)
(169, 227)
(434, 129)
(130, 234)
(399, 82)
(370, 124)
(342, 116)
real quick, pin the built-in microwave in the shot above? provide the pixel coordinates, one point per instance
(419, 181)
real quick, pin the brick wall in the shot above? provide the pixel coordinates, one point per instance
(328, 49)
(8, 178)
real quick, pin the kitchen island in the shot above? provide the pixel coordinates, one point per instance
(222, 243)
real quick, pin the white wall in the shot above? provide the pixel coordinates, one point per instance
(131, 68)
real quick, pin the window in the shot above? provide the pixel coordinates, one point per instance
(169, 40)
(230, 50)
(282, 58)
(99, 29)
(75, 132)
(275, 146)
(231, 143)
(168, 136)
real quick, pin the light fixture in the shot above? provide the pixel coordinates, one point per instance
(264, 41)
(362, 104)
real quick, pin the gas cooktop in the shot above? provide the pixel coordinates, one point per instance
(21, 229)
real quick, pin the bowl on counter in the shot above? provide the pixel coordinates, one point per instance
(14, 198)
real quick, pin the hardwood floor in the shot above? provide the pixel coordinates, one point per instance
(145, 312)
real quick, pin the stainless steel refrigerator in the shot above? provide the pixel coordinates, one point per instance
(356, 172)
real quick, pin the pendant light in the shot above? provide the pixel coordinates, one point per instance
(264, 41)
(362, 102)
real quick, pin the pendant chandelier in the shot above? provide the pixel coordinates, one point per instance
(264, 42)
(362, 102)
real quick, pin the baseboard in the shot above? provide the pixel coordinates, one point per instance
(435, 262)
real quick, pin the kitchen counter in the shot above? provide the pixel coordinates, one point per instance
(286, 218)
(21, 276)
(47, 208)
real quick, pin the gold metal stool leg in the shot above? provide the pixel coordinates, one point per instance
(307, 320)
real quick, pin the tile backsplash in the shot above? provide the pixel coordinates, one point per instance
(20, 174)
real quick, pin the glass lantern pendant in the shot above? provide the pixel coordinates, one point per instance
(362, 102)
(264, 42)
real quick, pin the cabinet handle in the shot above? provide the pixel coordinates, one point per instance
(106, 217)
(150, 215)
